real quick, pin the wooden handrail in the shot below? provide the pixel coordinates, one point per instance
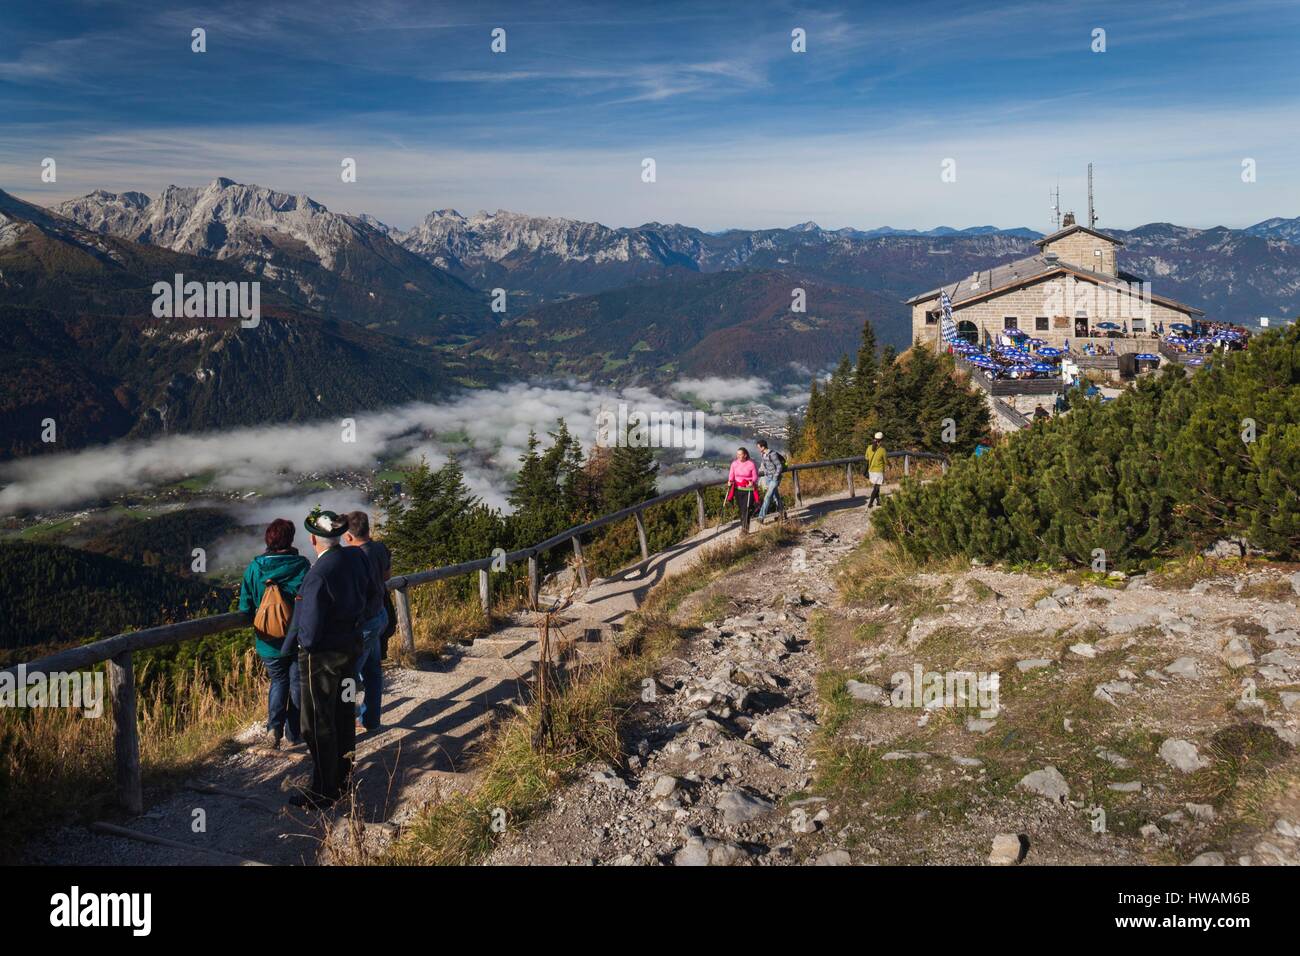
(118, 650)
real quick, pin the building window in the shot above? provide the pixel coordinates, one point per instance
(1010, 322)
(931, 318)
(1040, 324)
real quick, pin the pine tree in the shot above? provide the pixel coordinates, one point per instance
(545, 495)
(864, 373)
(439, 521)
(630, 478)
(844, 407)
(1172, 465)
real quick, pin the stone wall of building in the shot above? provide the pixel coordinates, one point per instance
(1051, 302)
(1086, 251)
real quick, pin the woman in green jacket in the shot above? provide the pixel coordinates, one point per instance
(280, 563)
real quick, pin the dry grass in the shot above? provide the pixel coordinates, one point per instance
(441, 615)
(57, 765)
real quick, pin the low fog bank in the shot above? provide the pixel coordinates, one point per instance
(486, 431)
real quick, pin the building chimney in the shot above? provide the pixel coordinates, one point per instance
(1068, 220)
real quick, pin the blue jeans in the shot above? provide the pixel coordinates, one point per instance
(284, 697)
(771, 484)
(370, 670)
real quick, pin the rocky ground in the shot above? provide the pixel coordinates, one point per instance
(720, 757)
(1074, 720)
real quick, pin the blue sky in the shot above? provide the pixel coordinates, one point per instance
(744, 132)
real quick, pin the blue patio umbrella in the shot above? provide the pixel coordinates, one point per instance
(1107, 325)
(1050, 352)
(1043, 367)
(1180, 326)
(1147, 357)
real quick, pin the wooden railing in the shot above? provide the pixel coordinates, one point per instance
(118, 651)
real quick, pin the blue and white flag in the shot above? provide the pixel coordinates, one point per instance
(945, 303)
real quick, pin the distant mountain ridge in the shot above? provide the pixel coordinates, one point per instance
(737, 323)
(362, 269)
(337, 264)
(84, 349)
(1233, 274)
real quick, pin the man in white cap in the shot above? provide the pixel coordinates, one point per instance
(876, 458)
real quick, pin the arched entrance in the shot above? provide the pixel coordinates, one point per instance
(967, 332)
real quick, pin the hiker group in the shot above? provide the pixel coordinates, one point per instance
(751, 483)
(321, 630)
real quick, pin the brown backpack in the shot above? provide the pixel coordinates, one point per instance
(273, 613)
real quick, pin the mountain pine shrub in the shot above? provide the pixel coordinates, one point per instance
(1171, 466)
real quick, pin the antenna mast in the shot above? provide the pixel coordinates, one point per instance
(1092, 216)
(1055, 196)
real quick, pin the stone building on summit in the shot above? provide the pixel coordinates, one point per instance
(1063, 292)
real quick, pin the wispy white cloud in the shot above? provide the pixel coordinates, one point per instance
(1176, 165)
(486, 431)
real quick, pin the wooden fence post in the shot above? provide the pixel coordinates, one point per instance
(640, 533)
(484, 591)
(126, 740)
(907, 465)
(532, 580)
(582, 564)
(699, 508)
(848, 474)
(404, 621)
(943, 466)
(798, 498)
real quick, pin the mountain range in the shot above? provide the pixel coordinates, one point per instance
(358, 314)
(338, 265)
(1234, 274)
(430, 282)
(84, 349)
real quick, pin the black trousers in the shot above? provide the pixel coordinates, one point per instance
(744, 505)
(329, 714)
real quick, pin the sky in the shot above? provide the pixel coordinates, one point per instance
(744, 132)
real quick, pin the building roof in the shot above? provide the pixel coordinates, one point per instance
(1014, 275)
(1068, 230)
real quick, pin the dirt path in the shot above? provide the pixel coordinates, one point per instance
(718, 761)
(234, 809)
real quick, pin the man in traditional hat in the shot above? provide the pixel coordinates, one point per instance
(327, 617)
(876, 458)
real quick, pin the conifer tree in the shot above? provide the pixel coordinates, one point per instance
(630, 477)
(864, 373)
(439, 521)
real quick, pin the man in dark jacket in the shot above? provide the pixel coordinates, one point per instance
(327, 618)
(370, 671)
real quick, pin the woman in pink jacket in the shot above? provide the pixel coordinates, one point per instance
(742, 481)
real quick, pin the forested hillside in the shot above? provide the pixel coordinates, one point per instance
(52, 594)
(728, 324)
(917, 399)
(165, 541)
